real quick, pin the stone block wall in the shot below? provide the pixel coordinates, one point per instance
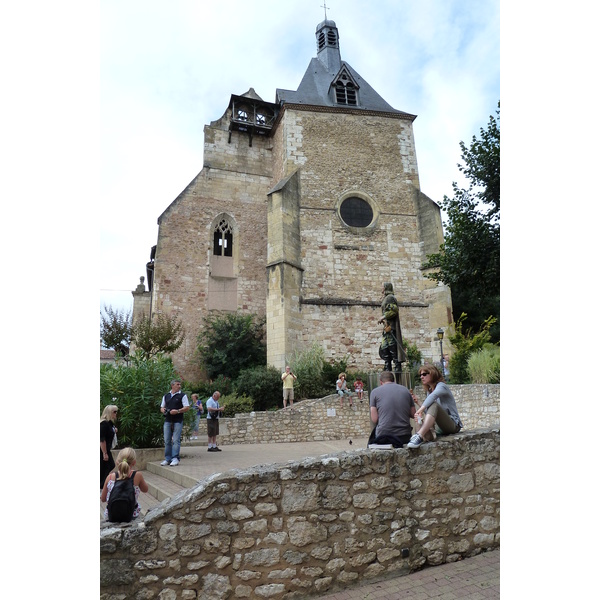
(322, 419)
(310, 421)
(301, 529)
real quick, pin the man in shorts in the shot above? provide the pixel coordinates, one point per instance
(288, 379)
(212, 421)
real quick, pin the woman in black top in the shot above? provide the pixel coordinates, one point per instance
(107, 434)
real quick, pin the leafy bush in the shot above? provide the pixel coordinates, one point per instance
(204, 389)
(484, 365)
(231, 342)
(221, 384)
(415, 358)
(235, 404)
(262, 384)
(137, 390)
(307, 365)
(465, 344)
(329, 375)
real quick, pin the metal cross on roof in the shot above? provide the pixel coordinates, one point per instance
(324, 5)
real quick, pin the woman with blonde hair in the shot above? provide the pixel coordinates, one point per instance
(123, 511)
(108, 433)
(439, 404)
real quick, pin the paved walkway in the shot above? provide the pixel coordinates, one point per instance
(198, 463)
(476, 578)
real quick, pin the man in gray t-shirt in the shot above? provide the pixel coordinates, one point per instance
(392, 407)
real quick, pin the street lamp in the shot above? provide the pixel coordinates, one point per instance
(440, 334)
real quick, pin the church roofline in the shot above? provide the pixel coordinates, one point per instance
(354, 110)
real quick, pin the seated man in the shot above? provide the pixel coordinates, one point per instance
(392, 407)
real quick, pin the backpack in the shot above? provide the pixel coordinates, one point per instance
(122, 503)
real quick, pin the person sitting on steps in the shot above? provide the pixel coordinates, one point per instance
(125, 464)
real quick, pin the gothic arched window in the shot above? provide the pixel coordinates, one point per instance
(223, 239)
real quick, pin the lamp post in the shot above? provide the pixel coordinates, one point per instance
(440, 334)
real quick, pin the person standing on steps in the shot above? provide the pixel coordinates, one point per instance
(197, 405)
(108, 432)
(173, 405)
(288, 379)
(212, 421)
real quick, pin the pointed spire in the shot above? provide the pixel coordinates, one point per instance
(328, 45)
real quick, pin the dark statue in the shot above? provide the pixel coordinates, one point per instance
(391, 348)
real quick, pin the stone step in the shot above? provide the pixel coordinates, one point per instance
(160, 488)
(172, 474)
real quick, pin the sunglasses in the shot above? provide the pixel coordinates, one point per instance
(424, 374)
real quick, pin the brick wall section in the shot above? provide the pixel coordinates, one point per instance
(299, 529)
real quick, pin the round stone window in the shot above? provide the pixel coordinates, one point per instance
(356, 212)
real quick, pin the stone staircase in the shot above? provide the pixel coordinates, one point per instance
(163, 483)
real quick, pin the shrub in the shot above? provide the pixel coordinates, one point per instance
(231, 342)
(235, 404)
(221, 384)
(329, 375)
(137, 390)
(307, 365)
(466, 343)
(204, 389)
(262, 384)
(484, 365)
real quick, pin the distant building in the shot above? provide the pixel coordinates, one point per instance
(107, 357)
(303, 208)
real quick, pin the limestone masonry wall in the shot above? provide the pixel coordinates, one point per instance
(323, 419)
(299, 529)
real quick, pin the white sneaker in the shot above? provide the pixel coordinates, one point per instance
(415, 441)
(174, 462)
(164, 463)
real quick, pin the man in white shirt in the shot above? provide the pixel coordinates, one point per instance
(212, 421)
(173, 405)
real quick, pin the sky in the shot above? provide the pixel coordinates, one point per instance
(167, 69)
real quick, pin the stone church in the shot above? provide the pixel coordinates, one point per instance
(303, 209)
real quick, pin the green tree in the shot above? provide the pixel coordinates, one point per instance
(466, 343)
(115, 329)
(262, 384)
(159, 334)
(469, 258)
(308, 365)
(231, 342)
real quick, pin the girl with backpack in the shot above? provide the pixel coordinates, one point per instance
(122, 489)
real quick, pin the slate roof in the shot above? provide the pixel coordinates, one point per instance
(315, 85)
